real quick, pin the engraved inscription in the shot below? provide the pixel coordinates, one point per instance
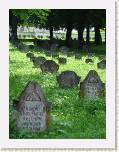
(32, 115)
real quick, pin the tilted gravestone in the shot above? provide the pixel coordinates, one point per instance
(68, 79)
(92, 86)
(33, 109)
(102, 64)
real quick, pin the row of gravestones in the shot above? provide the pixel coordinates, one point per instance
(34, 109)
(52, 66)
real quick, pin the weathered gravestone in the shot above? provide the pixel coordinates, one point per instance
(92, 86)
(38, 61)
(102, 64)
(33, 108)
(62, 60)
(49, 66)
(68, 79)
(78, 56)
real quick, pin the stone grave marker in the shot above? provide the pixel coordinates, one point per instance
(49, 66)
(68, 79)
(33, 109)
(78, 56)
(62, 60)
(102, 64)
(92, 86)
(38, 61)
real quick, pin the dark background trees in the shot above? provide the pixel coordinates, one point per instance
(56, 19)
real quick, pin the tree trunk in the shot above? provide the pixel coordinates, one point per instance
(98, 38)
(51, 33)
(68, 35)
(88, 36)
(13, 22)
(80, 37)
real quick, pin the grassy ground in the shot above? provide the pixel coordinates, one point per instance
(72, 116)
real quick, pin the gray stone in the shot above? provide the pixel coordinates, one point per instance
(78, 56)
(38, 61)
(62, 60)
(33, 109)
(68, 79)
(55, 54)
(92, 86)
(49, 66)
(102, 64)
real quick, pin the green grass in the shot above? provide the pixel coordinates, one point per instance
(72, 116)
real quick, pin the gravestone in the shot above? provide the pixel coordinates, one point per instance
(33, 109)
(102, 64)
(92, 86)
(68, 79)
(38, 61)
(55, 54)
(62, 60)
(49, 66)
(78, 56)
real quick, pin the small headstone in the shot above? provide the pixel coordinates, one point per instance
(78, 56)
(68, 79)
(55, 55)
(33, 109)
(89, 61)
(38, 61)
(49, 66)
(92, 86)
(90, 55)
(62, 60)
(102, 64)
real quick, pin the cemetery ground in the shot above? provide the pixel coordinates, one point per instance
(72, 117)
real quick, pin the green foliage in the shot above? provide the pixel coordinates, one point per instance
(72, 117)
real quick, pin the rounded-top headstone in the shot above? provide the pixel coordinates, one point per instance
(38, 61)
(62, 60)
(33, 109)
(92, 86)
(68, 79)
(49, 66)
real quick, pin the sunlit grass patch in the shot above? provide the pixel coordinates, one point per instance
(72, 116)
